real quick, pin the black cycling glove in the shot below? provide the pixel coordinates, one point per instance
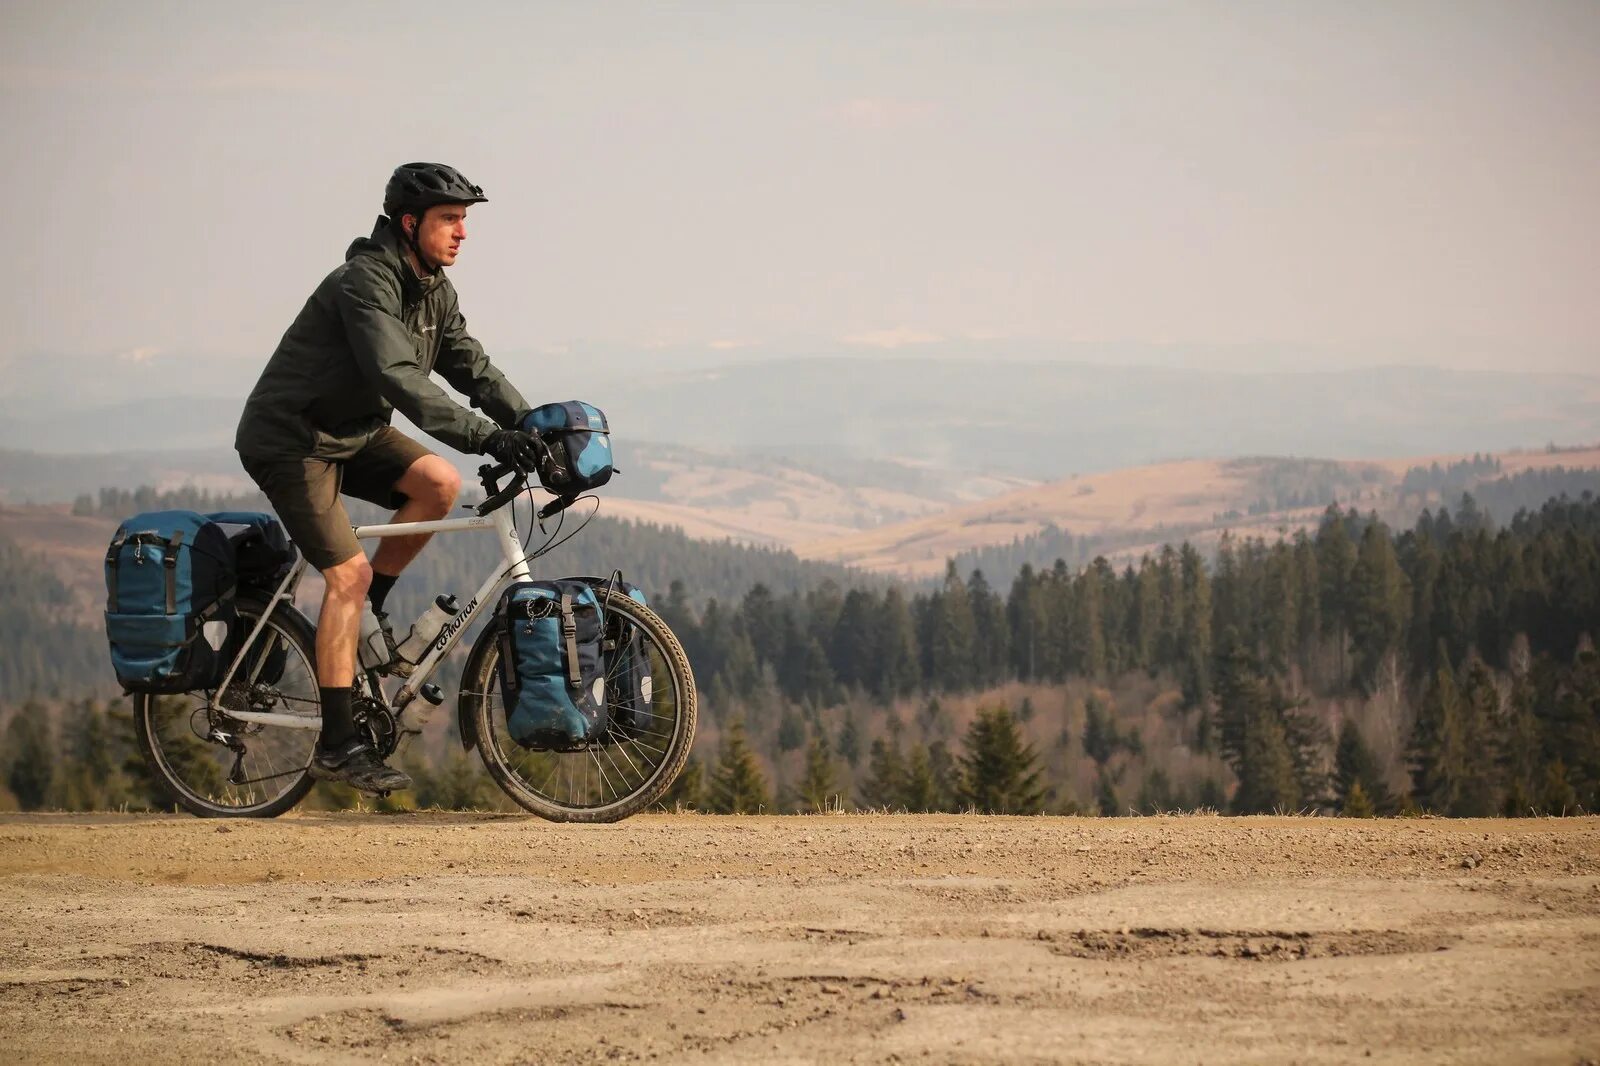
(513, 447)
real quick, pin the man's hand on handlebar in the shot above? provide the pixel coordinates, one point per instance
(514, 448)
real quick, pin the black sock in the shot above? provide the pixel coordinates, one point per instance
(337, 724)
(378, 591)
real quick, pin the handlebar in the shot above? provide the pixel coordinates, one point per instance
(495, 497)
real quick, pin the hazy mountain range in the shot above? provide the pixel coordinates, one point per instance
(944, 429)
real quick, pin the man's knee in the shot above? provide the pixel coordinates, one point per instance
(349, 579)
(433, 482)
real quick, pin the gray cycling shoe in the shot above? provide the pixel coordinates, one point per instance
(356, 764)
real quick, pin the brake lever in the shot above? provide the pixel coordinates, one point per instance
(556, 506)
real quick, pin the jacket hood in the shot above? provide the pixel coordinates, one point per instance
(384, 244)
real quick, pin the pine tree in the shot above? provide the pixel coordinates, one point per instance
(920, 793)
(737, 786)
(1145, 616)
(953, 636)
(1000, 770)
(886, 776)
(1519, 753)
(1570, 712)
(1279, 608)
(791, 729)
(30, 753)
(991, 644)
(1355, 767)
(1308, 606)
(1100, 740)
(1105, 793)
(1026, 619)
(946, 773)
(1155, 792)
(901, 665)
(1375, 606)
(1437, 759)
(1336, 559)
(1271, 749)
(1355, 803)
(848, 742)
(1265, 767)
(1195, 639)
(1088, 656)
(1557, 796)
(1480, 794)
(90, 775)
(817, 786)
(855, 652)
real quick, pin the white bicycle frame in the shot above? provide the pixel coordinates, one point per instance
(516, 569)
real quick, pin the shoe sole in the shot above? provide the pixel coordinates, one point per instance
(371, 790)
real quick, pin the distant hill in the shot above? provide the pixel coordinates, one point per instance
(1127, 510)
(841, 413)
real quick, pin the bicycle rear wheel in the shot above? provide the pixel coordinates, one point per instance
(630, 768)
(218, 766)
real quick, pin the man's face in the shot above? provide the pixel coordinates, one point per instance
(440, 232)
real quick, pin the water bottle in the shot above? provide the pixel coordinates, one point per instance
(371, 649)
(425, 630)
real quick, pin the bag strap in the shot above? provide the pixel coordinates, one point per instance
(115, 550)
(569, 636)
(113, 562)
(216, 605)
(171, 563)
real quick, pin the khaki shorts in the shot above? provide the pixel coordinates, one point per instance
(305, 492)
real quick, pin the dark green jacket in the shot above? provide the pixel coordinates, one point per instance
(364, 346)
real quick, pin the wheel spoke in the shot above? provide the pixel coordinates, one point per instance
(634, 761)
(196, 770)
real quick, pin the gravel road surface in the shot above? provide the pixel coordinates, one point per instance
(456, 938)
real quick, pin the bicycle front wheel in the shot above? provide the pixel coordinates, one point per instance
(218, 766)
(631, 767)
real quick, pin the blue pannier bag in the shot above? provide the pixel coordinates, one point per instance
(551, 670)
(169, 606)
(627, 666)
(579, 441)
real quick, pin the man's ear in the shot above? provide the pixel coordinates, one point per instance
(408, 230)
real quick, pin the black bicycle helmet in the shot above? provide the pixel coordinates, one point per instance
(415, 187)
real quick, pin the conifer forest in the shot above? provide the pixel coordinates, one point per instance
(1351, 668)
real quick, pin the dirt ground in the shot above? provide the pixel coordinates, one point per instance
(849, 938)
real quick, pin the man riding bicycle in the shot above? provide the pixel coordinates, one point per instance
(317, 424)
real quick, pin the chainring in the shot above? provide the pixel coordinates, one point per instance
(376, 723)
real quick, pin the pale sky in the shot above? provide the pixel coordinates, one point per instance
(1373, 181)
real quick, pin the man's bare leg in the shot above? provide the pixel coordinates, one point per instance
(342, 755)
(339, 624)
(431, 486)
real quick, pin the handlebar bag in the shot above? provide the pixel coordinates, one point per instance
(551, 671)
(170, 584)
(262, 551)
(579, 440)
(627, 666)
